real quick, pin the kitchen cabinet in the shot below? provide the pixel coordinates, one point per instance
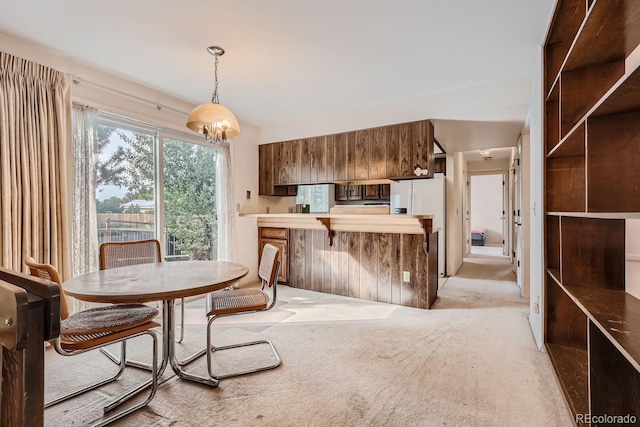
(371, 192)
(265, 163)
(422, 147)
(278, 237)
(385, 191)
(348, 192)
(340, 146)
(363, 192)
(384, 152)
(269, 167)
(404, 150)
(362, 154)
(377, 153)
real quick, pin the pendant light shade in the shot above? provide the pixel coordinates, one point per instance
(216, 122)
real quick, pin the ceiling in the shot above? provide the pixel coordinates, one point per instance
(465, 63)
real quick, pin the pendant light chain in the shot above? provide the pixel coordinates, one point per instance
(214, 96)
(214, 121)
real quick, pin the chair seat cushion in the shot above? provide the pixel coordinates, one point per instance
(236, 301)
(112, 318)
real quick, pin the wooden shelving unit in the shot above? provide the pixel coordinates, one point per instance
(592, 176)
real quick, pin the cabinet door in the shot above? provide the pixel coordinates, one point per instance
(393, 151)
(305, 160)
(422, 146)
(404, 151)
(372, 192)
(283, 275)
(362, 154)
(342, 192)
(355, 192)
(294, 165)
(282, 158)
(321, 158)
(340, 157)
(330, 142)
(377, 153)
(385, 191)
(351, 155)
(265, 170)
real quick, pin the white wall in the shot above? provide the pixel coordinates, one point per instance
(456, 182)
(486, 207)
(172, 115)
(535, 215)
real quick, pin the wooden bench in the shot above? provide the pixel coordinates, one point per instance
(29, 316)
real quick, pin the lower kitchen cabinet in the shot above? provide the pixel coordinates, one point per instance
(278, 237)
(348, 192)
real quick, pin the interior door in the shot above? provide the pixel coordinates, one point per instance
(505, 216)
(517, 218)
(467, 222)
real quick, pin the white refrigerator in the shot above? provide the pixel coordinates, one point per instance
(424, 197)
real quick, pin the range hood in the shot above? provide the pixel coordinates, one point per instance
(366, 182)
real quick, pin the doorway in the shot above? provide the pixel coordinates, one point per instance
(487, 205)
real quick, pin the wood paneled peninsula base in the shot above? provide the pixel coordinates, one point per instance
(385, 258)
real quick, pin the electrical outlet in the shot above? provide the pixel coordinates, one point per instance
(406, 276)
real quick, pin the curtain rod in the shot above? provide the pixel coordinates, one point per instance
(79, 80)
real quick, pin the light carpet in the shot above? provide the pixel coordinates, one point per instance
(470, 361)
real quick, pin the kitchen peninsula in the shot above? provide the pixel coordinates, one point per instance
(385, 258)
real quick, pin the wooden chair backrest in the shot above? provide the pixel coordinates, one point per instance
(49, 272)
(119, 254)
(268, 263)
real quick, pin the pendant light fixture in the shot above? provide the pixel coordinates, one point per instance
(214, 121)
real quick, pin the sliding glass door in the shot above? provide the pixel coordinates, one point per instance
(189, 201)
(153, 184)
(126, 184)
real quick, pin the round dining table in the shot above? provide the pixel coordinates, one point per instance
(163, 281)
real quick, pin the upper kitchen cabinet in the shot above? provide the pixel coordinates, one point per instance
(422, 147)
(361, 154)
(393, 152)
(377, 153)
(265, 163)
(269, 156)
(340, 149)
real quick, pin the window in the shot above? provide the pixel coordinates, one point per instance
(316, 196)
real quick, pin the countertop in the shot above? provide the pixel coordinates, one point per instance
(402, 224)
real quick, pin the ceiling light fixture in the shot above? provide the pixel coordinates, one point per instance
(214, 121)
(484, 152)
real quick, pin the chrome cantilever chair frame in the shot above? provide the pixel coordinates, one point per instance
(49, 272)
(106, 264)
(153, 382)
(213, 348)
(271, 281)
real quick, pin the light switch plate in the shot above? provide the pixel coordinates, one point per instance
(406, 276)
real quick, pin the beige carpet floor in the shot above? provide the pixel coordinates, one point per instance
(470, 361)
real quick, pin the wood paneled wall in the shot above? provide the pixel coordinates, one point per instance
(365, 265)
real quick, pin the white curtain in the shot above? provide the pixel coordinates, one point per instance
(225, 205)
(84, 222)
